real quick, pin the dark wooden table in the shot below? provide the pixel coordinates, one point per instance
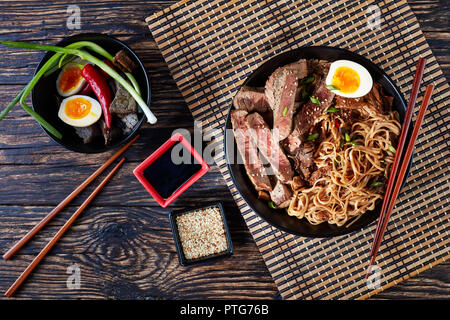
(122, 243)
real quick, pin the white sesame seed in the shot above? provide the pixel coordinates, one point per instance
(202, 233)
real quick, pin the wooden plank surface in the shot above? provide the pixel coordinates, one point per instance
(122, 243)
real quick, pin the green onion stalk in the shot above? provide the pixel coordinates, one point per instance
(98, 49)
(74, 50)
(11, 104)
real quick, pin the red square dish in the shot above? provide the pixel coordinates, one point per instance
(164, 187)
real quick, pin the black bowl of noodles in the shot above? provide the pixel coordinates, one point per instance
(280, 218)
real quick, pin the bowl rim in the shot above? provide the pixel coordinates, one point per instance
(71, 39)
(342, 230)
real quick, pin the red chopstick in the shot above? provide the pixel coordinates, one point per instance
(402, 172)
(409, 112)
(60, 233)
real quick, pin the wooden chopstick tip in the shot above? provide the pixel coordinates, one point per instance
(60, 232)
(18, 245)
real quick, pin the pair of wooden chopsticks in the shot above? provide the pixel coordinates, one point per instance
(69, 222)
(396, 175)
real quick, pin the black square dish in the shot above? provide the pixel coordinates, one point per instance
(201, 233)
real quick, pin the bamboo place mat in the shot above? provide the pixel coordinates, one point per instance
(211, 47)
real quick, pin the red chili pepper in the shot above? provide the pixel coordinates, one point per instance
(101, 89)
(337, 123)
(87, 90)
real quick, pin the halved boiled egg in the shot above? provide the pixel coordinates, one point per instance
(70, 81)
(79, 111)
(349, 79)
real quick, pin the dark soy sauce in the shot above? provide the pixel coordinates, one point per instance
(166, 176)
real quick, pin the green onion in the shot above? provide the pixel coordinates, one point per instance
(392, 149)
(49, 67)
(376, 184)
(133, 82)
(332, 109)
(354, 143)
(85, 56)
(347, 137)
(332, 87)
(342, 143)
(304, 94)
(61, 60)
(55, 67)
(11, 104)
(272, 205)
(313, 136)
(314, 100)
(285, 111)
(306, 80)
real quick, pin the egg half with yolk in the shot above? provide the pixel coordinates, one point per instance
(349, 79)
(79, 111)
(70, 81)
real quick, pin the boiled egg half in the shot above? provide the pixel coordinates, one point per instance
(79, 111)
(70, 81)
(349, 79)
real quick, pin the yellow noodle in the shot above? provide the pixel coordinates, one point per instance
(345, 194)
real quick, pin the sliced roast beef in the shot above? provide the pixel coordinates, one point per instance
(284, 87)
(269, 147)
(249, 153)
(298, 68)
(296, 145)
(349, 116)
(376, 98)
(304, 160)
(305, 119)
(263, 195)
(318, 174)
(281, 195)
(251, 99)
(348, 103)
(318, 67)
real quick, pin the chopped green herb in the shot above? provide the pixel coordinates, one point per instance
(313, 136)
(304, 94)
(347, 137)
(354, 143)
(342, 143)
(306, 80)
(331, 87)
(314, 100)
(392, 149)
(376, 184)
(272, 205)
(332, 110)
(285, 111)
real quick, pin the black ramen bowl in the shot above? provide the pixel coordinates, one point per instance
(45, 90)
(279, 218)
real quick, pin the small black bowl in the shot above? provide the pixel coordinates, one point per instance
(181, 257)
(279, 218)
(44, 103)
